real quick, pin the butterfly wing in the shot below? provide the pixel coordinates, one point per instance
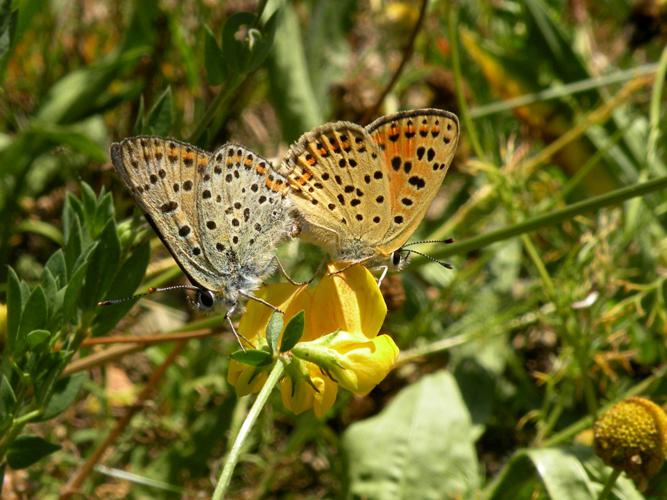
(244, 213)
(417, 148)
(338, 185)
(163, 176)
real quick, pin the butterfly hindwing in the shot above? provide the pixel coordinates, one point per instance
(338, 185)
(417, 148)
(244, 211)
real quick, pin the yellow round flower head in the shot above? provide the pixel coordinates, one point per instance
(631, 437)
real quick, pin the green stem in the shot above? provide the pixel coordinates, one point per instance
(548, 219)
(655, 109)
(222, 98)
(604, 494)
(244, 431)
(452, 28)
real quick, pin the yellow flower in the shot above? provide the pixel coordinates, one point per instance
(631, 436)
(340, 345)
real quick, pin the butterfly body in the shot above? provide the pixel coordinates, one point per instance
(220, 214)
(362, 191)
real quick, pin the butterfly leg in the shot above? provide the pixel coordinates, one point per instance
(385, 269)
(288, 277)
(261, 301)
(239, 338)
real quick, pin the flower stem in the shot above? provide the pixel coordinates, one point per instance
(244, 431)
(604, 494)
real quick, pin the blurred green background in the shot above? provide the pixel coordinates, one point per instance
(505, 360)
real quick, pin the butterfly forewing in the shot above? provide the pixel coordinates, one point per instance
(417, 149)
(163, 177)
(339, 187)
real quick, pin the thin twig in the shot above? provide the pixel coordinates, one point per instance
(84, 471)
(148, 339)
(407, 54)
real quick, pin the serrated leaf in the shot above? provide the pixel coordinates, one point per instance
(427, 432)
(253, 357)
(125, 283)
(273, 330)
(37, 337)
(214, 60)
(293, 331)
(26, 450)
(64, 394)
(160, 118)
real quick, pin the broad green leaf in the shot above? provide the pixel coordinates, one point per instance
(293, 331)
(558, 470)
(420, 446)
(15, 302)
(26, 450)
(125, 283)
(273, 330)
(75, 139)
(37, 337)
(64, 394)
(253, 357)
(73, 243)
(160, 118)
(291, 91)
(214, 62)
(73, 292)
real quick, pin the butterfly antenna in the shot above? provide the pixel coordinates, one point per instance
(150, 291)
(446, 265)
(425, 242)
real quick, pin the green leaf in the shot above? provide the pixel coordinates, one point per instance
(58, 267)
(73, 291)
(560, 472)
(253, 357)
(293, 331)
(125, 283)
(273, 330)
(37, 337)
(26, 450)
(7, 401)
(102, 267)
(214, 60)
(64, 394)
(73, 244)
(15, 302)
(245, 44)
(291, 91)
(72, 137)
(160, 118)
(34, 315)
(7, 26)
(427, 439)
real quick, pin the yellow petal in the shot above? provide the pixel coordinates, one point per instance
(325, 396)
(298, 397)
(349, 300)
(256, 316)
(246, 379)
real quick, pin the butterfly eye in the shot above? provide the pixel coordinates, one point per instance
(396, 258)
(205, 298)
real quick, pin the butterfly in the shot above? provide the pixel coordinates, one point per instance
(220, 214)
(362, 191)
